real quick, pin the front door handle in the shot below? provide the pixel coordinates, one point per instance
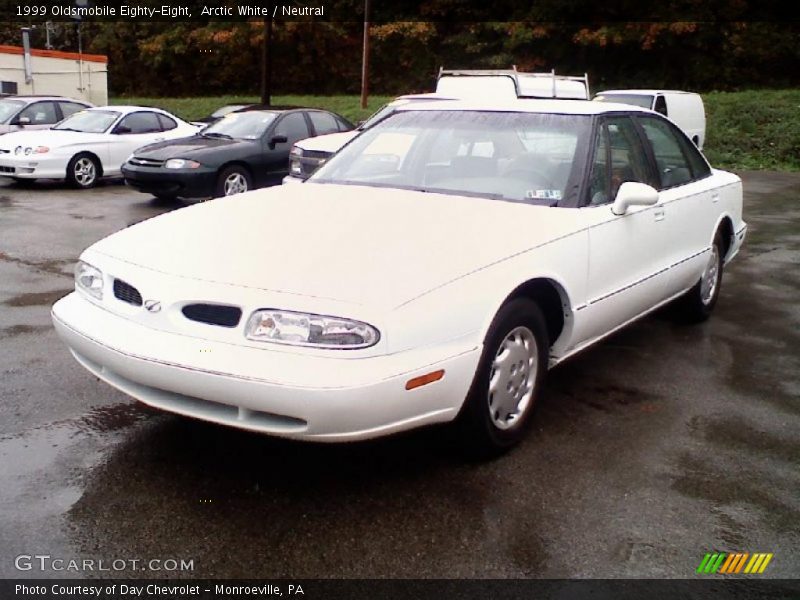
(714, 197)
(659, 214)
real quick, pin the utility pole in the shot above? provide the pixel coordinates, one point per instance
(365, 58)
(266, 63)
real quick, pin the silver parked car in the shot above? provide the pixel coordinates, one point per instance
(36, 112)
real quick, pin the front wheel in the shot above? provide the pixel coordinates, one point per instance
(699, 302)
(233, 180)
(83, 171)
(510, 373)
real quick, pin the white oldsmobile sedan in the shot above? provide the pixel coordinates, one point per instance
(87, 145)
(432, 271)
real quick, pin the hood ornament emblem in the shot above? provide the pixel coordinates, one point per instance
(152, 306)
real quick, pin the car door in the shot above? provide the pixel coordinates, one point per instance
(688, 198)
(37, 115)
(294, 127)
(133, 131)
(627, 266)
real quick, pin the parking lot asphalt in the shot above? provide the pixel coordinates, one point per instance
(663, 443)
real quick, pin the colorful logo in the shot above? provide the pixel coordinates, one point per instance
(731, 563)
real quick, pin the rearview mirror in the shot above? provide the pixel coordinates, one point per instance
(633, 193)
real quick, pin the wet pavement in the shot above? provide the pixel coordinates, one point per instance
(661, 444)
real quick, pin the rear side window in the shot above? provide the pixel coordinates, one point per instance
(141, 122)
(324, 123)
(40, 113)
(68, 108)
(343, 125)
(661, 105)
(673, 167)
(293, 126)
(166, 122)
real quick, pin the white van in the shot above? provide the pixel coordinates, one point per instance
(685, 109)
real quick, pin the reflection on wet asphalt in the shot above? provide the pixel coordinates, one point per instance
(665, 442)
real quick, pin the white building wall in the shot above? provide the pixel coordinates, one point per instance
(83, 79)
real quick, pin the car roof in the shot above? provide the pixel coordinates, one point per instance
(121, 108)
(531, 105)
(272, 108)
(35, 98)
(641, 92)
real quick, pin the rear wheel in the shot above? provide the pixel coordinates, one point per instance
(510, 373)
(233, 180)
(83, 171)
(699, 302)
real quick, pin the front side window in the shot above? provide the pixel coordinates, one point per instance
(140, 122)
(673, 167)
(517, 156)
(619, 157)
(89, 121)
(293, 126)
(39, 113)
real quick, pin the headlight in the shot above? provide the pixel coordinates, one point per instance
(89, 279)
(181, 163)
(295, 154)
(304, 329)
(31, 150)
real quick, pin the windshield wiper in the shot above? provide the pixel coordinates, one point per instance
(67, 129)
(215, 134)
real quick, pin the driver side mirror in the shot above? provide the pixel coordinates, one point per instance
(633, 193)
(22, 121)
(277, 139)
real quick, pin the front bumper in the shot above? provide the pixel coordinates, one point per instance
(188, 183)
(34, 166)
(339, 399)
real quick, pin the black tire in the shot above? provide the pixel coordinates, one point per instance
(83, 171)
(230, 174)
(480, 434)
(698, 304)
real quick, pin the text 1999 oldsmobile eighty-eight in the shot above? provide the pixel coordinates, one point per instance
(433, 270)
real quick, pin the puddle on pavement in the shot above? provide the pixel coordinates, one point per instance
(54, 267)
(36, 298)
(16, 330)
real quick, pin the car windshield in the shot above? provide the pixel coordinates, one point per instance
(89, 121)
(8, 108)
(248, 125)
(523, 157)
(643, 100)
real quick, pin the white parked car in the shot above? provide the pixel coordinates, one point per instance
(88, 144)
(685, 109)
(431, 271)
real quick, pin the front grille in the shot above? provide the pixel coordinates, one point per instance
(145, 162)
(127, 293)
(213, 314)
(7, 170)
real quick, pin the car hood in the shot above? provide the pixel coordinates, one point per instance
(52, 138)
(327, 143)
(363, 245)
(188, 146)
